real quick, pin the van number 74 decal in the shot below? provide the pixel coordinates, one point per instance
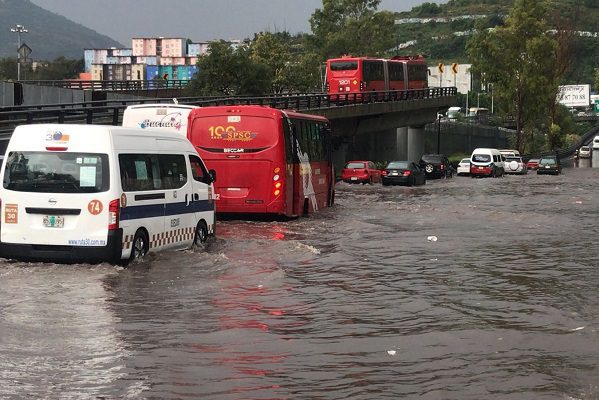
(95, 207)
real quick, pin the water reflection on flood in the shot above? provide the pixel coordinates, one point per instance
(354, 302)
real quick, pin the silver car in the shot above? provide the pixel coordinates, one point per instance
(515, 165)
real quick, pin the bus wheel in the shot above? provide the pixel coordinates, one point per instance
(201, 234)
(140, 245)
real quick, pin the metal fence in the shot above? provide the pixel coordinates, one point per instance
(109, 112)
(112, 85)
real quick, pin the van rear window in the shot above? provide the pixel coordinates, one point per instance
(481, 157)
(53, 172)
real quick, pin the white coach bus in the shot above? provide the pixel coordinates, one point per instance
(160, 116)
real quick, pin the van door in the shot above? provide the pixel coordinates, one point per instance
(202, 200)
(180, 220)
(56, 198)
(145, 199)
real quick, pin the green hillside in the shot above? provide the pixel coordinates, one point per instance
(445, 41)
(50, 35)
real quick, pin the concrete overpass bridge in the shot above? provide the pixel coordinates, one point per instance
(373, 125)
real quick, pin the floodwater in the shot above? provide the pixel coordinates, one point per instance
(459, 289)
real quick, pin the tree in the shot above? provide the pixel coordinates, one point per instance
(520, 60)
(352, 27)
(597, 79)
(228, 70)
(60, 68)
(294, 68)
(8, 68)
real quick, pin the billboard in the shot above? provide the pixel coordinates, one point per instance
(574, 95)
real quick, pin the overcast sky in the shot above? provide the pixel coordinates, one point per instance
(199, 20)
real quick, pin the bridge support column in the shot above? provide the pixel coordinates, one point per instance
(402, 143)
(391, 144)
(415, 143)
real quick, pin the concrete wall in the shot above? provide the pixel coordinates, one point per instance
(459, 137)
(7, 94)
(34, 95)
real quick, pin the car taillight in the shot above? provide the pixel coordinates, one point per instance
(442, 167)
(113, 214)
(277, 182)
(407, 173)
(384, 173)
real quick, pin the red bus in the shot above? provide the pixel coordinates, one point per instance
(267, 161)
(365, 74)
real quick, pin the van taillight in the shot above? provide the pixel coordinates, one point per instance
(113, 215)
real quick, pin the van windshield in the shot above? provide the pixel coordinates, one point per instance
(53, 172)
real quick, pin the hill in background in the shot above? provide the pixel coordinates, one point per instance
(50, 35)
(441, 31)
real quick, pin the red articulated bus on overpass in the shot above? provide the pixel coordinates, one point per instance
(267, 161)
(364, 74)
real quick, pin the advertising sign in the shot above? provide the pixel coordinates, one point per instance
(574, 95)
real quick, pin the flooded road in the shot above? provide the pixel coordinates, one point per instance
(459, 289)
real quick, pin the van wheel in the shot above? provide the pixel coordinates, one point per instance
(201, 234)
(140, 245)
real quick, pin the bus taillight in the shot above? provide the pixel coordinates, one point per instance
(362, 86)
(113, 215)
(277, 183)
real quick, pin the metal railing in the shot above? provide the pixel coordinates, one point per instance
(109, 112)
(112, 85)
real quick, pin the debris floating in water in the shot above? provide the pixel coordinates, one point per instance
(432, 238)
(391, 352)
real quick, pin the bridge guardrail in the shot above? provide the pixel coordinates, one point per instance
(110, 112)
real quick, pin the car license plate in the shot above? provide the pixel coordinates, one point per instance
(481, 167)
(547, 166)
(354, 178)
(393, 173)
(53, 221)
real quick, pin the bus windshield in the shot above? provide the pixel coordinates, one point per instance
(344, 65)
(234, 133)
(49, 172)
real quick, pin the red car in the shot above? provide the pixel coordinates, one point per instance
(533, 163)
(360, 172)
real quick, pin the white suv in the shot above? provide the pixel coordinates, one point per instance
(515, 165)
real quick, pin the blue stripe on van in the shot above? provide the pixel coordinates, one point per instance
(158, 210)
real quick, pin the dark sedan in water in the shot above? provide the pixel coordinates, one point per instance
(549, 165)
(405, 173)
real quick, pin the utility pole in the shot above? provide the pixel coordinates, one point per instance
(19, 29)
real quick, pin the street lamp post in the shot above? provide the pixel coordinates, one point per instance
(19, 29)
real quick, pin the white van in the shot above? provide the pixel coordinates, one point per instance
(509, 152)
(101, 193)
(596, 142)
(454, 113)
(166, 117)
(486, 162)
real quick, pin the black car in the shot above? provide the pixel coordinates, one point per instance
(549, 165)
(403, 173)
(436, 166)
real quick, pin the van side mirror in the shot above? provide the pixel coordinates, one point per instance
(212, 174)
